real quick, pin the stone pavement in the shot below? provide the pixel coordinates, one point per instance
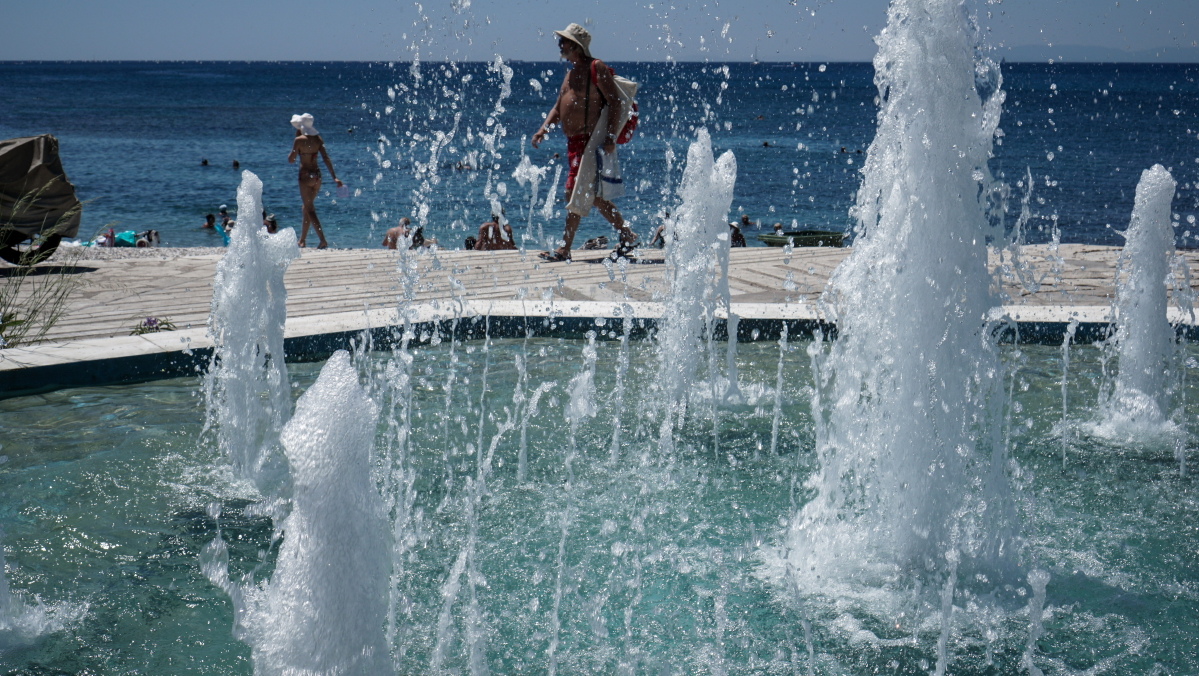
(168, 283)
(341, 290)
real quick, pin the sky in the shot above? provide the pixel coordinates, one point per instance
(623, 30)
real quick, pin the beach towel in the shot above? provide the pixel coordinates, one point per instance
(599, 172)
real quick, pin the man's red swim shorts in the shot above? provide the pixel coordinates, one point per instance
(575, 145)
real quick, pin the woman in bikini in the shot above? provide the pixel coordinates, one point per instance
(306, 145)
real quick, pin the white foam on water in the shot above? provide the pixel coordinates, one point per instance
(1138, 406)
(325, 607)
(22, 622)
(249, 310)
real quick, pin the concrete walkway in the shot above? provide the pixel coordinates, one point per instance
(347, 289)
(117, 294)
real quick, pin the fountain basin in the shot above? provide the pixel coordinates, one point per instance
(108, 492)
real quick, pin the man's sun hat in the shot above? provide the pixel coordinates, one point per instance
(578, 35)
(306, 127)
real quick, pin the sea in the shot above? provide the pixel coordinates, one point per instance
(439, 142)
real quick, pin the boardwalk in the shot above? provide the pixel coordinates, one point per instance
(116, 294)
(334, 294)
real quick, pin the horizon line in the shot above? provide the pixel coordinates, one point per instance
(389, 62)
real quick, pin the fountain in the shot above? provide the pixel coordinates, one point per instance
(912, 498)
(531, 504)
(913, 477)
(1139, 403)
(249, 308)
(324, 609)
(697, 238)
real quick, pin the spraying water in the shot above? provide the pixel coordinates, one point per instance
(908, 482)
(694, 235)
(778, 395)
(1071, 328)
(580, 406)
(249, 310)
(325, 607)
(622, 369)
(527, 172)
(22, 623)
(1139, 404)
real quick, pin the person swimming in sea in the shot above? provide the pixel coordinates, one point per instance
(307, 145)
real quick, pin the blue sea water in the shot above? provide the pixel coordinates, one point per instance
(132, 136)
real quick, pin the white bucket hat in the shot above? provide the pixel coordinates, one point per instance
(578, 35)
(304, 124)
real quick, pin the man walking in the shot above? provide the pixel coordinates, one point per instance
(587, 91)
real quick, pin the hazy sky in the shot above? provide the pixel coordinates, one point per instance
(385, 30)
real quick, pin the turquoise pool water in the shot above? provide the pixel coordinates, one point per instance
(107, 496)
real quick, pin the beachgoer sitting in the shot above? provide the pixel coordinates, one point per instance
(391, 238)
(148, 238)
(659, 238)
(419, 239)
(778, 228)
(494, 237)
(736, 238)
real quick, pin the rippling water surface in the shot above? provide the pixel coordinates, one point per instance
(106, 495)
(133, 134)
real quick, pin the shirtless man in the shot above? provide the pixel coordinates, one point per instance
(493, 237)
(392, 238)
(578, 109)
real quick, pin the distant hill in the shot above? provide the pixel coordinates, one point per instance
(1092, 54)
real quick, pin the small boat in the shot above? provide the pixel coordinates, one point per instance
(803, 238)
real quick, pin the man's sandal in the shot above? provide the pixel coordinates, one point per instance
(623, 250)
(554, 257)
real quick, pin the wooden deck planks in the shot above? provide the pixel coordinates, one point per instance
(116, 294)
